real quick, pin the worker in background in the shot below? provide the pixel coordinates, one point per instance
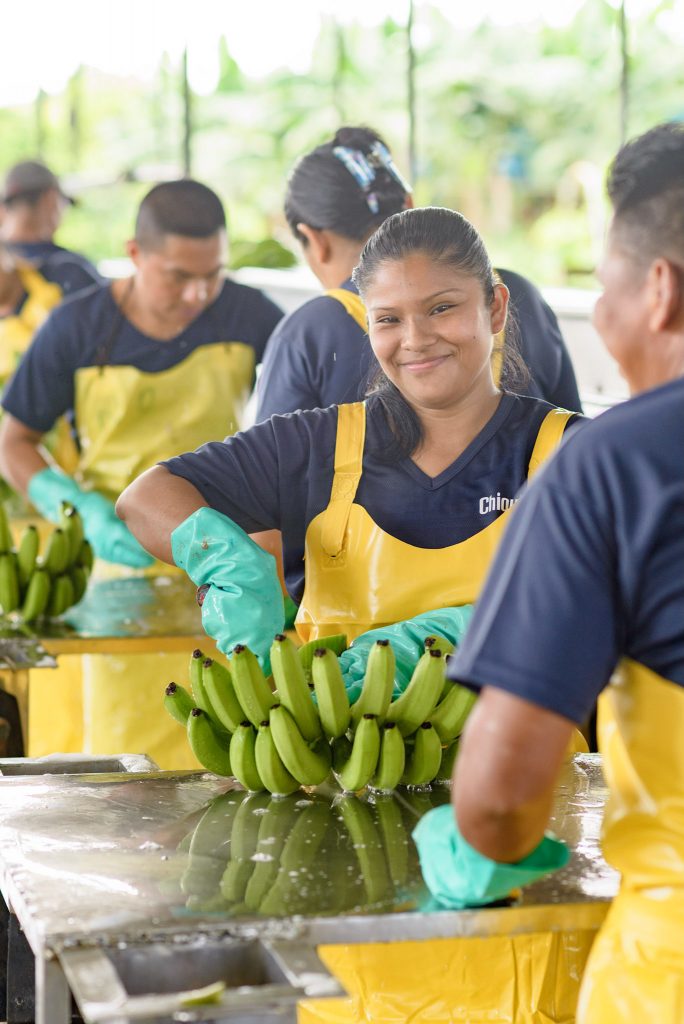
(32, 205)
(586, 597)
(337, 196)
(380, 503)
(151, 365)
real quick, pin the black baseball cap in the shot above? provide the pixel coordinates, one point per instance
(28, 179)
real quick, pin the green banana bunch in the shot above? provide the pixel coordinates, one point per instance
(38, 585)
(292, 687)
(331, 693)
(378, 683)
(418, 700)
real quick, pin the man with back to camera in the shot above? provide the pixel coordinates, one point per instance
(151, 365)
(33, 204)
(586, 598)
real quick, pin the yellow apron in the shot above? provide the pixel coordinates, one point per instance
(636, 968)
(358, 577)
(127, 421)
(17, 331)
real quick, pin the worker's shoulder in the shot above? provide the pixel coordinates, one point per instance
(81, 310)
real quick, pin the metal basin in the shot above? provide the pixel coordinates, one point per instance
(76, 764)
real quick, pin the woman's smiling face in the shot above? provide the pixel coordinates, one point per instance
(431, 329)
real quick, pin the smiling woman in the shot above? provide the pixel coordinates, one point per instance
(380, 502)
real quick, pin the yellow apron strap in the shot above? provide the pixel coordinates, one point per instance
(549, 437)
(351, 435)
(42, 296)
(353, 304)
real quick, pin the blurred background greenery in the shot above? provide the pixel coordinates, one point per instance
(512, 122)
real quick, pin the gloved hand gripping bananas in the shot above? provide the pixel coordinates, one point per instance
(294, 735)
(32, 584)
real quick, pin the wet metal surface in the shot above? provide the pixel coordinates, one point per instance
(108, 858)
(131, 608)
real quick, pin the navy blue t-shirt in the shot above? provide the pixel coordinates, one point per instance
(591, 568)
(42, 388)
(71, 271)
(320, 356)
(278, 475)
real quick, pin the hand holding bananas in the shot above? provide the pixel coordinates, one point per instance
(38, 585)
(407, 639)
(237, 725)
(244, 602)
(111, 539)
(458, 876)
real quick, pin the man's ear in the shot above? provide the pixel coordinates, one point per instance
(499, 307)
(133, 251)
(664, 294)
(317, 242)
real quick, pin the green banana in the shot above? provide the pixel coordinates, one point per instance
(37, 595)
(235, 879)
(446, 765)
(5, 532)
(306, 835)
(438, 643)
(275, 824)
(242, 757)
(86, 556)
(220, 693)
(201, 876)
(367, 847)
(451, 713)
(27, 553)
(362, 763)
(199, 694)
(9, 583)
(209, 746)
(378, 683)
(79, 580)
(251, 686)
(293, 689)
(178, 702)
(425, 758)
(394, 837)
(420, 696)
(336, 643)
(260, 883)
(273, 772)
(309, 766)
(56, 558)
(331, 693)
(61, 595)
(391, 760)
(72, 525)
(213, 831)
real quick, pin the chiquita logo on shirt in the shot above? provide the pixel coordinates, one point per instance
(495, 503)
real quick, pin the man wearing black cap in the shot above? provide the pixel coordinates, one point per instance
(32, 207)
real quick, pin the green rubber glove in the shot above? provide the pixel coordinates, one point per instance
(458, 876)
(407, 639)
(111, 539)
(243, 602)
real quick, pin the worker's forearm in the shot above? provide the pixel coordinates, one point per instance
(21, 462)
(154, 505)
(505, 774)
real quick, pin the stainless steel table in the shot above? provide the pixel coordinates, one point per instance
(132, 889)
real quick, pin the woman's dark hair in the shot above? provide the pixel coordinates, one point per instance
(348, 185)
(446, 237)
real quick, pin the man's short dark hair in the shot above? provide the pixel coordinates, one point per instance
(183, 207)
(646, 188)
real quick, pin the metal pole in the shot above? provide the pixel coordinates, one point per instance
(39, 113)
(624, 71)
(411, 95)
(187, 118)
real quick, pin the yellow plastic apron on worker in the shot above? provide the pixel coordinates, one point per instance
(127, 421)
(358, 577)
(16, 331)
(636, 969)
